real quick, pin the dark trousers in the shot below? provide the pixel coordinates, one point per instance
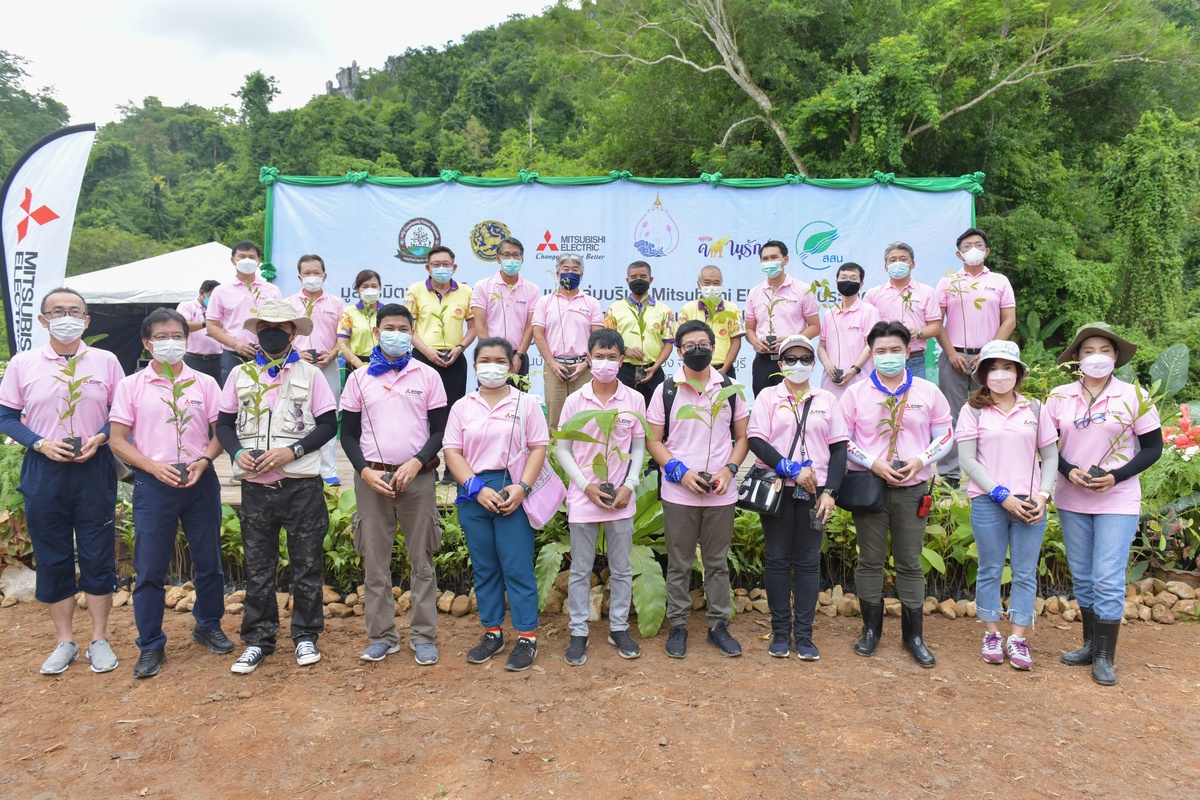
(791, 566)
(899, 519)
(764, 372)
(626, 374)
(158, 511)
(501, 551)
(297, 504)
(454, 377)
(209, 365)
(70, 507)
(229, 360)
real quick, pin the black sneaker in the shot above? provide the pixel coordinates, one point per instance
(806, 650)
(626, 646)
(489, 645)
(576, 651)
(522, 655)
(720, 638)
(677, 641)
(780, 647)
(248, 661)
(215, 640)
(148, 663)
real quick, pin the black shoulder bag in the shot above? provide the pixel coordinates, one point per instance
(761, 489)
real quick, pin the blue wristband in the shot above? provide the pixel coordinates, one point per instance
(786, 468)
(999, 494)
(806, 463)
(674, 470)
(470, 491)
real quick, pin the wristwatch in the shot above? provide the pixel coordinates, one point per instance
(832, 493)
(732, 467)
(524, 486)
(298, 450)
(37, 446)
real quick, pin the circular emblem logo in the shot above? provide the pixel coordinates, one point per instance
(417, 237)
(656, 234)
(813, 240)
(486, 237)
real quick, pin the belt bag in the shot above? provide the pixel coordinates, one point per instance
(862, 490)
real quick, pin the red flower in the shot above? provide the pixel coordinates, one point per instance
(1182, 440)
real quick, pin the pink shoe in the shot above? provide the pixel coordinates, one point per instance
(1018, 653)
(993, 648)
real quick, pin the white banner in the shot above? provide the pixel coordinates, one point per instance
(676, 228)
(37, 212)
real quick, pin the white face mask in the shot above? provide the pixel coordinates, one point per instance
(898, 270)
(491, 376)
(973, 257)
(369, 295)
(67, 329)
(168, 351)
(247, 266)
(710, 291)
(798, 373)
(1097, 365)
(312, 282)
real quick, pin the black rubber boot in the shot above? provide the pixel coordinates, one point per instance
(1105, 643)
(872, 614)
(1083, 656)
(912, 624)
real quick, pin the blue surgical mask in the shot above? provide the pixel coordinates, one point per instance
(394, 343)
(891, 364)
(510, 266)
(442, 274)
(898, 270)
(772, 268)
(570, 280)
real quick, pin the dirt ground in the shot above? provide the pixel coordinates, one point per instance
(703, 727)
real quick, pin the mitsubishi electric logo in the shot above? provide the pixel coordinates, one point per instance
(41, 215)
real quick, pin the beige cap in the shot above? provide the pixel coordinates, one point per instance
(274, 310)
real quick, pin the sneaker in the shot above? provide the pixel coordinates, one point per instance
(334, 481)
(522, 656)
(101, 654)
(427, 654)
(677, 642)
(215, 640)
(576, 651)
(248, 661)
(234, 480)
(626, 646)
(720, 638)
(1018, 653)
(377, 651)
(806, 650)
(489, 645)
(993, 648)
(58, 661)
(307, 652)
(148, 663)
(780, 647)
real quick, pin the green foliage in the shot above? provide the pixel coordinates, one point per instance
(15, 544)
(343, 566)
(25, 116)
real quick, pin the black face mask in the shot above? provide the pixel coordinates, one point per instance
(698, 360)
(274, 341)
(639, 286)
(848, 288)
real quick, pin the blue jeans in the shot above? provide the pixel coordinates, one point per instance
(916, 364)
(1098, 553)
(501, 551)
(999, 534)
(158, 511)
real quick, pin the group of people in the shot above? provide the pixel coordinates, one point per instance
(270, 391)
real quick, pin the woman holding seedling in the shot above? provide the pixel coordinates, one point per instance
(1109, 433)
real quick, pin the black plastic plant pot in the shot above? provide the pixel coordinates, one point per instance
(76, 445)
(899, 464)
(771, 340)
(387, 478)
(611, 491)
(1097, 472)
(183, 473)
(504, 495)
(639, 374)
(837, 375)
(255, 454)
(313, 354)
(707, 479)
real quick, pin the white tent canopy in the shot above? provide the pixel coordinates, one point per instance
(168, 279)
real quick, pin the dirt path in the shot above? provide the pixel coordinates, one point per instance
(704, 727)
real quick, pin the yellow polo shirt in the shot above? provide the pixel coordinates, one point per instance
(356, 325)
(427, 307)
(623, 316)
(729, 328)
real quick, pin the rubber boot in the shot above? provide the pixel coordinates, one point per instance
(872, 614)
(1105, 654)
(912, 623)
(1083, 656)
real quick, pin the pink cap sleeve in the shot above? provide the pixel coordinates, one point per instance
(932, 309)
(352, 393)
(1049, 433)
(212, 398)
(1007, 300)
(939, 412)
(478, 299)
(760, 423)
(122, 403)
(968, 426)
(849, 406)
(537, 430)
(595, 315)
(943, 296)
(435, 391)
(808, 304)
(837, 427)
(639, 405)
(229, 400)
(322, 398)
(656, 413)
(213, 310)
(10, 386)
(539, 311)
(453, 438)
(115, 376)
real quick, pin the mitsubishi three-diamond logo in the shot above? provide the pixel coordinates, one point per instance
(41, 215)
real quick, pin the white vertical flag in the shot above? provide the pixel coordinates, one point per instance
(37, 212)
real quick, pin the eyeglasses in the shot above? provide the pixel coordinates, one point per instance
(438, 264)
(59, 313)
(691, 348)
(791, 361)
(1084, 422)
(179, 337)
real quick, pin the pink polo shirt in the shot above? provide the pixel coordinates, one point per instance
(689, 439)
(845, 336)
(959, 295)
(916, 305)
(1083, 447)
(322, 401)
(579, 507)
(863, 407)
(199, 342)
(494, 438)
(141, 403)
(395, 409)
(31, 384)
(775, 422)
(326, 312)
(797, 303)
(231, 304)
(568, 322)
(507, 307)
(1007, 444)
